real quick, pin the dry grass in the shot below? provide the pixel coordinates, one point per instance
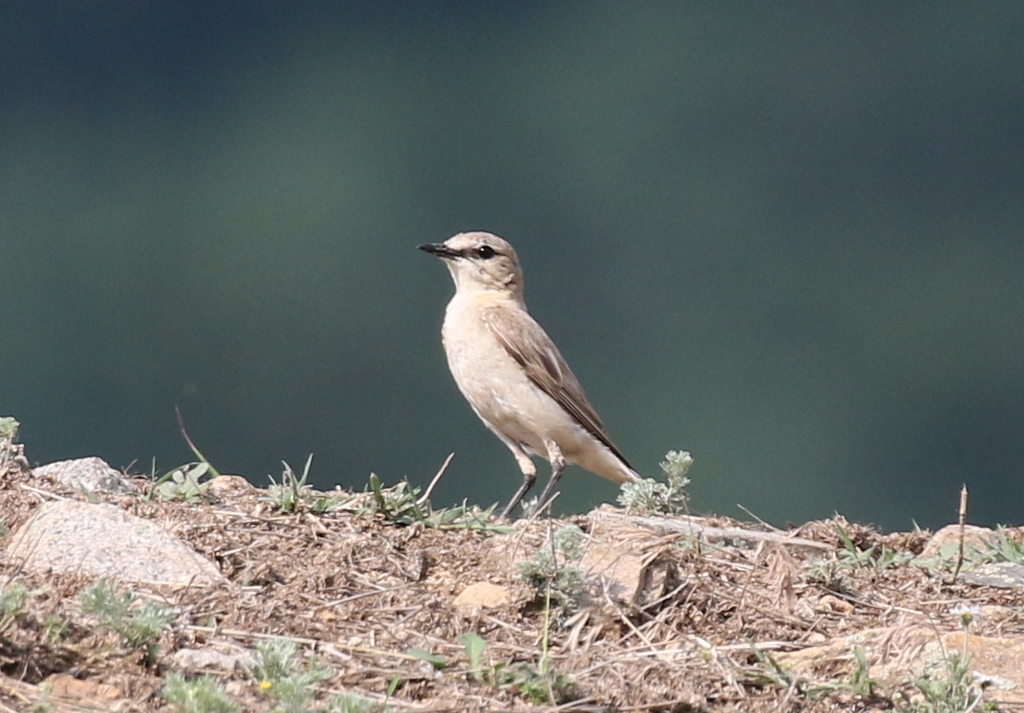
(359, 592)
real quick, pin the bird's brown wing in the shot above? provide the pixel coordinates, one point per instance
(531, 347)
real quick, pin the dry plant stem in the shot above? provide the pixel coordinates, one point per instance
(44, 494)
(758, 520)
(613, 605)
(433, 483)
(693, 525)
(361, 595)
(758, 554)
(318, 644)
(514, 551)
(962, 519)
(191, 445)
(654, 706)
(883, 607)
(572, 704)
(542, 507)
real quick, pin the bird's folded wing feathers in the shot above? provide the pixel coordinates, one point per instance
(528, 343)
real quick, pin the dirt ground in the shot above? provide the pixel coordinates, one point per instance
(366, 590)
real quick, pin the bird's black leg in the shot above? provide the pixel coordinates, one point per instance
(557, 468)
(528, 480)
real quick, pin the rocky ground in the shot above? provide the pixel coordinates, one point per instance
(203, 593)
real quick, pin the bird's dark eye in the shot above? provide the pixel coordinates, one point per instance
(485, 251)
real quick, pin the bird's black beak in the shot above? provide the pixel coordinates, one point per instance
(441, 250)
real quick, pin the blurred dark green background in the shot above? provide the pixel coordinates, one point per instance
(784, 236)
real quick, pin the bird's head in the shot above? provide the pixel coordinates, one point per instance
(480, 262)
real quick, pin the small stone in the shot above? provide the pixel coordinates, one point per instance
(194, 660)
(236, 688)
(482, 595)
(833, 603)
(67, 686)
(227, 483)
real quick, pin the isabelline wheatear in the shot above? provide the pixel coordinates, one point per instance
(510, 371)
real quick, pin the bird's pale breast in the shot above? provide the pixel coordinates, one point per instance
(497, 387)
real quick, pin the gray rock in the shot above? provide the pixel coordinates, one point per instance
(102, 540)
(198, 660)
(1005, 575)
(90, 474)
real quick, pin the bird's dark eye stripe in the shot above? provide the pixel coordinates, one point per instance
(485, 251)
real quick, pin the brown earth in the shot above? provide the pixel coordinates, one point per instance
(671, 614)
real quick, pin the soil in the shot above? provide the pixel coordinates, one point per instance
(368, 593)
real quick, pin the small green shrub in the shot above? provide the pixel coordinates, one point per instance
(650, 496)
(138, 627)
(203, 694)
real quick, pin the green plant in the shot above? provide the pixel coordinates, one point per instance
(147, 623)
(139, 627)
(540, 683)
(10, 450)
(292, 491)
(203, 694)
(825, 571)
(54, 629)
(294, 691)
(951, 692)
(192, 446)
(12, 602)
(8, 430)
(466, 517)
(860, 682)
(890, 559)
(651, 496)
(274, 659)
(549, 571)
(403, 504)
(770, 672)
(12, 599)
(182, 483)
(1001, 548)
(319, 503)
(351, 703)
(537, 684)
(828, 571)
(280, 673)
(474, 646)
(852, 557)
(44, 704)
(436, 660)
(553, 569)
(399, 504)
(954, 690)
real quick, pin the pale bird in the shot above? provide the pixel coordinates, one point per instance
(510, 371)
